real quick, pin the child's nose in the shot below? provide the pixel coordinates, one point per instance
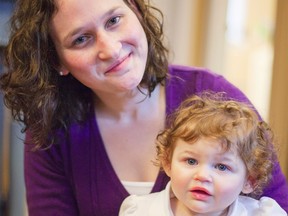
(203, 174)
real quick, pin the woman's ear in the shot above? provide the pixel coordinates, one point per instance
(63, 71)
(248, 186)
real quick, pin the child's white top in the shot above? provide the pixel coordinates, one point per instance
(159, 204)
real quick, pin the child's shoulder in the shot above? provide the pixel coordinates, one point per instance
(264, 206)
(141, 204)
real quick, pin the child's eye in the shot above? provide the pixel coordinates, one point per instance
(191, 161)
(221, 167)
(113, 21)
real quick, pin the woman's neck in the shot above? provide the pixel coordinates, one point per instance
(128, 105)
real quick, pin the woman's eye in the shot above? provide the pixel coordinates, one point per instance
(80, 40)
(221, 167)
(191, 161)
(113, 21)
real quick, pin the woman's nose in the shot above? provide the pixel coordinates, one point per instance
(203, 174)
(108, 46)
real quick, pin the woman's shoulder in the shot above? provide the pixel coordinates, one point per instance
(175, 69)
(189, 80)
(200, 77)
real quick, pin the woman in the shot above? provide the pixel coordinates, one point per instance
(89, 81)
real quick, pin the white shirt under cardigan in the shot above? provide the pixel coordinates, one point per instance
(159, 204)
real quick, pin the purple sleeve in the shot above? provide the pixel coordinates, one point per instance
(48, 190)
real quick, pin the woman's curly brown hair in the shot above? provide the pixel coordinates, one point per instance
(236, 125)
(33, 90)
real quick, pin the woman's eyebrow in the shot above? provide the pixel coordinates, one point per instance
(72, 33)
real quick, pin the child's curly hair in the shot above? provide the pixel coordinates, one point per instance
(236, 125)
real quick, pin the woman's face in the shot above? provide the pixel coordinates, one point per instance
(101, 43)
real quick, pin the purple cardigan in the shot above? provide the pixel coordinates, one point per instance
(76, 176)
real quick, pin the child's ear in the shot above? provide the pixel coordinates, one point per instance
(167, 168)
(248, 186)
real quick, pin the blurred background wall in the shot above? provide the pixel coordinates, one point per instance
(245, 41)
(12, 191)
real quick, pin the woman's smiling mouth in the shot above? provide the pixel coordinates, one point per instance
(118, 65)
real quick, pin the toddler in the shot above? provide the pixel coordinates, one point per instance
(218, 155)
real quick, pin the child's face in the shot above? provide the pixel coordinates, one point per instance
(204, 178)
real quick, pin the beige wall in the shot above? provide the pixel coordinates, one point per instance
(279, 94)
(196, 33)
